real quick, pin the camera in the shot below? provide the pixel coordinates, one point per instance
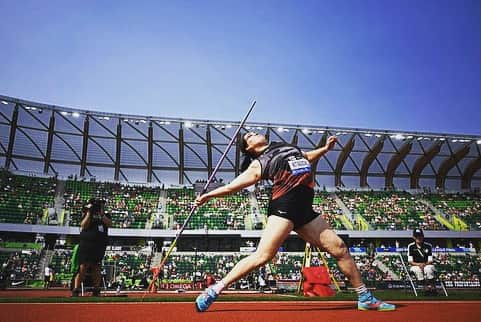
(95, 205)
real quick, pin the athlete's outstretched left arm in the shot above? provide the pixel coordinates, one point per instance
(245, 179)
(314, 155)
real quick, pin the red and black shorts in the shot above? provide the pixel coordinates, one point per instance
(295, 205)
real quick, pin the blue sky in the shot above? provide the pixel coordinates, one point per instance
(406, 65)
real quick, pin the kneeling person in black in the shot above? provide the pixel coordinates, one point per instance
(93, 242)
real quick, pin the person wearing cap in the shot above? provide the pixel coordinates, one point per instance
(420, 257)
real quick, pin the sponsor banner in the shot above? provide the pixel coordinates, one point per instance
(462, 284)
(115, 248)
(180, 285)
(435, 250)
(390, 249)
(247, 249)
(452, 250)
(392, 285)
(447, 284)
(357, 249)
(287, 285)
(291, 285)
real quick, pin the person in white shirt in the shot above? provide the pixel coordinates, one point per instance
(46, 275)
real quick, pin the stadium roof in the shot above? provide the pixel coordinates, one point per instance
(65, 141)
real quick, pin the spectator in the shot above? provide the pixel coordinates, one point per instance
(48, 272)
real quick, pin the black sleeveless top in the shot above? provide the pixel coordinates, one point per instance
(285, 166)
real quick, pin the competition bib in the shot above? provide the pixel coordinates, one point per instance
(299, 166)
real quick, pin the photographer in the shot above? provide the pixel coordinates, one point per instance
(93, 242)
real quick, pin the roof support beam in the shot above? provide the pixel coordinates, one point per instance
(448, 164)
(48, 154)
(150, 148)
(118, 150)
(395, 161)
(181, 155)
(469, 172)
(11, 140)
(342, 160)
(368, 160)
(208, 138)
(321, 143)
(422, 162)
(295, 138)
(85, 135)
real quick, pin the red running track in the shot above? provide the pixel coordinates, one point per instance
(240, 312)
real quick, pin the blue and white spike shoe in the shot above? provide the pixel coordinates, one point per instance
(205, 299)
(368, 302)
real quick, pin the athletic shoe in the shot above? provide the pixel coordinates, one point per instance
(367, 302)
(205, 299)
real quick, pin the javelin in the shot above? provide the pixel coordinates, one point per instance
(194, 208)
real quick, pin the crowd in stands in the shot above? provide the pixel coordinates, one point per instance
(26, 199)
(286, 266)
(126, 269)
(60, 263)
(263, 195)
(130, 206)
(388, 210)
(449, 266)
(466, 206)
(370, 270)
(225, 213)
(393, 262)
(129, 269)
(326, 206)
(30, 200)
(452, 267)
(20, 265)
(181, 266)
(23, 199)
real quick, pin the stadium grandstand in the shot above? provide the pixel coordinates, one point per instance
(374, 188)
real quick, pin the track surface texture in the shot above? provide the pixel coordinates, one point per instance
(238, 312)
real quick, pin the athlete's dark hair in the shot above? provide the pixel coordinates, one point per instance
(248, 157)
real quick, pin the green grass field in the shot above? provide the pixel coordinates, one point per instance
(388, 295)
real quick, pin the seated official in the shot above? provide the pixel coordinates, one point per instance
(420, 257)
